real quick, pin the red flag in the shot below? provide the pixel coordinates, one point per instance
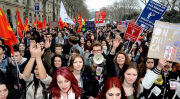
(39, 25)
(26, 27)
(44, 22)
(80, 22)
(60, 23)
(120, 23)
(7, 32)
(85, 18)
(20, 27)
(35, 23)
(65, 24)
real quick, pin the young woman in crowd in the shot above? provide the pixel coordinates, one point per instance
(92, 38)
(112, 89)
(116, 59)
(88, 48)
(5, 92)
(60, 38)
(84, 76)
(82, 43)
(134, 53)
(148, 63)
(22, 48)
(130, 77)
(106, 47)
(64, 85)
(143, 53)
(38, 80)
(57, 62)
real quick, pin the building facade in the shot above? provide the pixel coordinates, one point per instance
(9, 9)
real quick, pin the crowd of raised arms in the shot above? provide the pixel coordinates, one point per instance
(54, 63)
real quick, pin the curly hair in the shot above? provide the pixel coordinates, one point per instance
(125, 55)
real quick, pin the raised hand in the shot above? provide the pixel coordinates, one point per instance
(116, 42)
(38, 52)
(161, 63)
(47, 44)
(32, 50)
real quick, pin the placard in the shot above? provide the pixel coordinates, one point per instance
(166, 37)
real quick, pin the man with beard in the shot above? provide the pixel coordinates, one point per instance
(160, 82)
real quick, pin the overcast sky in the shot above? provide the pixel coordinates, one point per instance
(97, 4)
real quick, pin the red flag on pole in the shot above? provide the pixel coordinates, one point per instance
(44, 22)
(60, 23)
(80, 22)
(34, 24)
(6, 32)
(26, 27)
(65, 24)
(20, 27)
(85, 18)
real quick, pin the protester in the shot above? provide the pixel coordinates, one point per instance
(115, 62)
(59, 39)
(130, 77)
(84, 76)
(64, 85)
(161, 78)
(112, 89)
(38, 80)
(22, 48)
(57, 62)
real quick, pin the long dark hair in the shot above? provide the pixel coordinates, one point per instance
(3, 82)
(136, 85)
(52, 62)
(144, 52)
(37, 81)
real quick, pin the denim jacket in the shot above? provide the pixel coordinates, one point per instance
(4, 63)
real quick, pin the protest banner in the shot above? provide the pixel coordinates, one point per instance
(64, 16)
(152, 12)
(53, 24)
(132, 31)
(100, 17)
(165, 41)
(89, 25)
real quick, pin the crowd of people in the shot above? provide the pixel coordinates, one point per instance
(54, 63)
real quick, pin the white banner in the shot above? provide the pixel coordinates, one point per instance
(64, 16)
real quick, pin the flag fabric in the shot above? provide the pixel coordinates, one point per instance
(85, 18)
(6, 32)
(60, 23)
(39, 25)
(65, 24)
(26, 27)
(80, 22)
(44, 22)
(64, 16)
(20, 27)
(35, 23)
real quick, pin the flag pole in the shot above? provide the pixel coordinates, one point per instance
(36, 22)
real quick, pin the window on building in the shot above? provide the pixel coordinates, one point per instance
(48, 18)
(23, 1)
(48, 7)
(30, 18)
(42, 17)
(34, 16)
(16, 0)
(29, 2)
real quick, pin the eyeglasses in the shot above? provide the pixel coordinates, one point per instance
(169, 61)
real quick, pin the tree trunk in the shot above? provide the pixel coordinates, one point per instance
(44, 8)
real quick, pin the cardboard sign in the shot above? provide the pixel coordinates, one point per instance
(165, 41)
(152, 12)
(100, 17)
(132, 31)
(53, 24)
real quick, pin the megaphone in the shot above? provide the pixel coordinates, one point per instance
(98, 58)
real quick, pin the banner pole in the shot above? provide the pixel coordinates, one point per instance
(17, 71)
(36, 22)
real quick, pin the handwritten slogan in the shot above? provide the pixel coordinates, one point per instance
(165, 41)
